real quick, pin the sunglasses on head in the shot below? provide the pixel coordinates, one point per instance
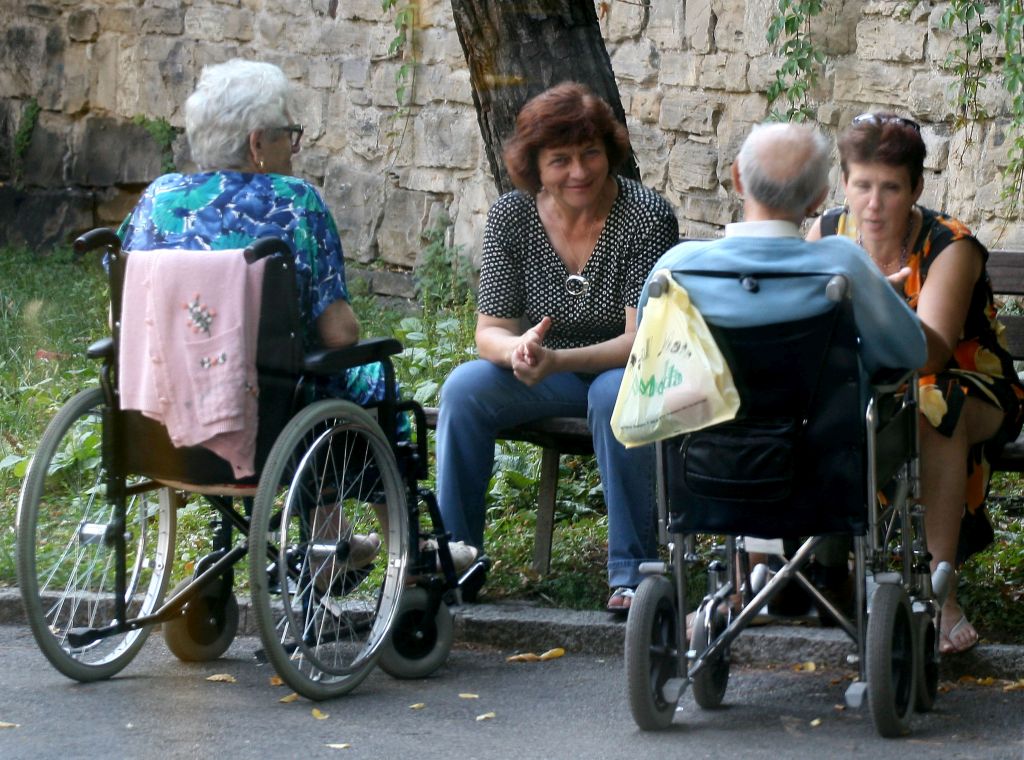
(870, 118)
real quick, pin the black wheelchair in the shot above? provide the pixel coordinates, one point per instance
(817, 450)
(348, 562)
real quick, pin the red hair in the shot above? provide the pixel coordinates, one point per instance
(885, 139)
(566, 114)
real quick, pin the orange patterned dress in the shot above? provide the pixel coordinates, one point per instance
(981, 366)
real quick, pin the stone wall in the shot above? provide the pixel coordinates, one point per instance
(690, 74)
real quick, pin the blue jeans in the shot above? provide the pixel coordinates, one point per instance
(479, 399)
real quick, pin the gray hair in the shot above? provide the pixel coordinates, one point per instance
(785, 166)
(232, 100)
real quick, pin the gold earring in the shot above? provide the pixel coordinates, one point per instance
(261, 165)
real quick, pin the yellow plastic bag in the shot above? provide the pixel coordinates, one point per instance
(676, 380)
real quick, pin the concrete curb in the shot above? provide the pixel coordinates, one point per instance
(528, 627)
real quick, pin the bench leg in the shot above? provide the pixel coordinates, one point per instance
(545, 511)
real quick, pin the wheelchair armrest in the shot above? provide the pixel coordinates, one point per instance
(330, 361)
(889, 379)
(101, 349)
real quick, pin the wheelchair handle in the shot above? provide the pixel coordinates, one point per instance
(264, 247)
(102, 237)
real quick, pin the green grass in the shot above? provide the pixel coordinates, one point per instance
(58, 307)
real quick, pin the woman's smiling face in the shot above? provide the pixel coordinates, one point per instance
(574, 175)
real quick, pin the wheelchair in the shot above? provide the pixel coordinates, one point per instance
(100, 501)
(816, 450)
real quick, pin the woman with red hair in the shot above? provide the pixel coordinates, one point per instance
(565, 256)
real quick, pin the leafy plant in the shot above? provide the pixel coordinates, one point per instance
(974, 68)
(23, 137)
(164, 135)
(790, 29)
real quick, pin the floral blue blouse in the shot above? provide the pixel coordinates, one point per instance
(226, 209)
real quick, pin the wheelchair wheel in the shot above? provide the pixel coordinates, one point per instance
(419, 643)
(206, 627)
(709, 684)
(652, 652)
(927, 663)
(891, 660)
(66, 563)
(328, 548)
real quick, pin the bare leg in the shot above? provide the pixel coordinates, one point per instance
(943, 482)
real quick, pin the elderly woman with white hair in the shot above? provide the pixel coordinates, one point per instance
(242, 136)
(240, 128)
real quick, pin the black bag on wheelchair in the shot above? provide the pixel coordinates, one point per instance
(754, 476)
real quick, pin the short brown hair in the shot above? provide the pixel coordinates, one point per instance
(566, 114)
(886, 139)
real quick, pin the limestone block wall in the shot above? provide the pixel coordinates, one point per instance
(691, 75)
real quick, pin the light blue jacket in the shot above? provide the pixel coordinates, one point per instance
(890, 332)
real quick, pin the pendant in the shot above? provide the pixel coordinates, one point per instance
(576, 285)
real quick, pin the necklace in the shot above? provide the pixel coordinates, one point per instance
(904, 255)
(576, 284)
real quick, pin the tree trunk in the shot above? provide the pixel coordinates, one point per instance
(515, 50)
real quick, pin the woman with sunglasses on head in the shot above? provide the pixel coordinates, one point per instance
(564, 259)
(970, 394)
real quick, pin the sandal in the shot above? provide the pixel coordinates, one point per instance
(946, 636)
(620, 600)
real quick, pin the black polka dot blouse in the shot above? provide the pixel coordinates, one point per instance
(521, 275)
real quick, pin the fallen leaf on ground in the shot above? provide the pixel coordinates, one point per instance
(293, 697)
(467, 695)
(1014, 685)
(816, 722)
(840, 708)
(9, 725)
(343, 745)
(276, 681)
(222, 678)
(523, 657)
(486, 716)
(418, 706)
(805, 667)
(553, 654)
(316, 713)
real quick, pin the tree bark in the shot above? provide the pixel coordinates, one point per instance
(515, 50)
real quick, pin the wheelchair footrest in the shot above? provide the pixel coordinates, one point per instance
(856, 693)
(79, 638)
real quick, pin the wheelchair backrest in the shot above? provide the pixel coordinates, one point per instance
(142, 445)
(793, 462)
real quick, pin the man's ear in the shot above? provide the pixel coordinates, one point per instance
(816, 204)
(737, 183)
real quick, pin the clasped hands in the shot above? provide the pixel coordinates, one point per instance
(531, 362)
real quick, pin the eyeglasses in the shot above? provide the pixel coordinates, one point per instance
(870, 118)
(295, 131)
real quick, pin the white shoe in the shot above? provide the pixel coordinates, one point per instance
(463, 555)
(361, 552)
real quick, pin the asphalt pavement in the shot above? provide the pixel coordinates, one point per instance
(528, 627)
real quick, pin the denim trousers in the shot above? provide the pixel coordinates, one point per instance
(479, 398)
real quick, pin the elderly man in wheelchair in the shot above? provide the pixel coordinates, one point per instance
(822, 349)
(234, 371)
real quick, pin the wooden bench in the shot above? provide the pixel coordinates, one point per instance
(1006, 271)
(571, 435)
(555, 436)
